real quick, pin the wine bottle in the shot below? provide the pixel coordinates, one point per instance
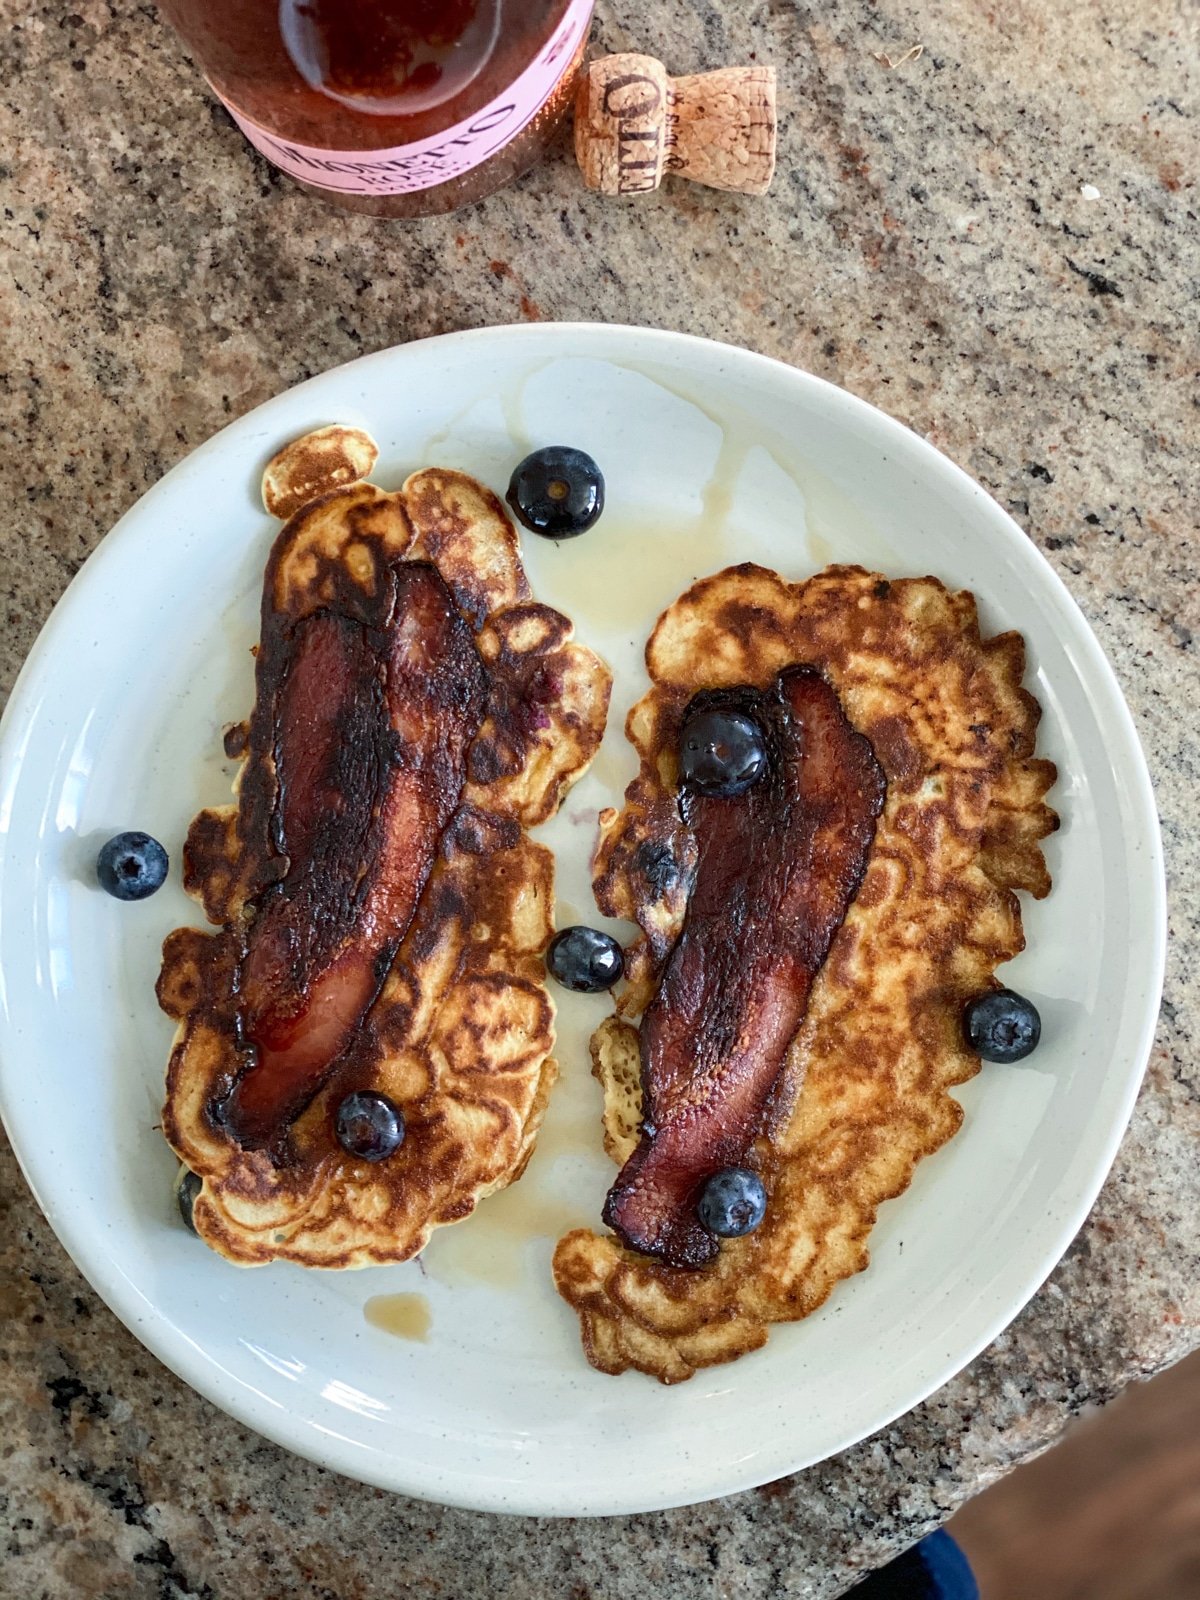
(396, 107)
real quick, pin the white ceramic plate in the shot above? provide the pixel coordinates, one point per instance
(712, 455)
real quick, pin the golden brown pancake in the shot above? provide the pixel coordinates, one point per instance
(325, 459)
(461, 1032)
(864, 1092)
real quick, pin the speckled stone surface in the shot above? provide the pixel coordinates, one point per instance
(997, 242)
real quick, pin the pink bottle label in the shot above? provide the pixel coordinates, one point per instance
(409, 167)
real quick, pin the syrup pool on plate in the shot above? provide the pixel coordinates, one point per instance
(407, 1316)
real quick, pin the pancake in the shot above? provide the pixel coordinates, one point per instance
(864, 1092)
(460, 1033)
(312, 465)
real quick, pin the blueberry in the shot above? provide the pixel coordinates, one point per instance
(1001, 1025)
(721, 752)
(187, 1187)
(131, 866)
(370, 1125)
(733, 1204)
(585, 959)
(557, 492)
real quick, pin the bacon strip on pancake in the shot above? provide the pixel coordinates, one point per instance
(777, 869)
(371, 731)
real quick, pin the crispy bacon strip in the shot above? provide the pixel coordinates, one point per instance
(777, 870)
(372, 732)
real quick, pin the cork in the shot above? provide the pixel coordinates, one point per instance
(633, 123)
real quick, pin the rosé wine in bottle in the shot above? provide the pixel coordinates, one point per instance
(398, 107)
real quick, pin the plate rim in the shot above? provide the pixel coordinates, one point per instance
(354, 1458)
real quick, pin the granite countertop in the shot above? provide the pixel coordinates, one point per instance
(997, 242)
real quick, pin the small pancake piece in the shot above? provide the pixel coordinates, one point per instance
(461, 1031)
(864, 1091)
(326, 459)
